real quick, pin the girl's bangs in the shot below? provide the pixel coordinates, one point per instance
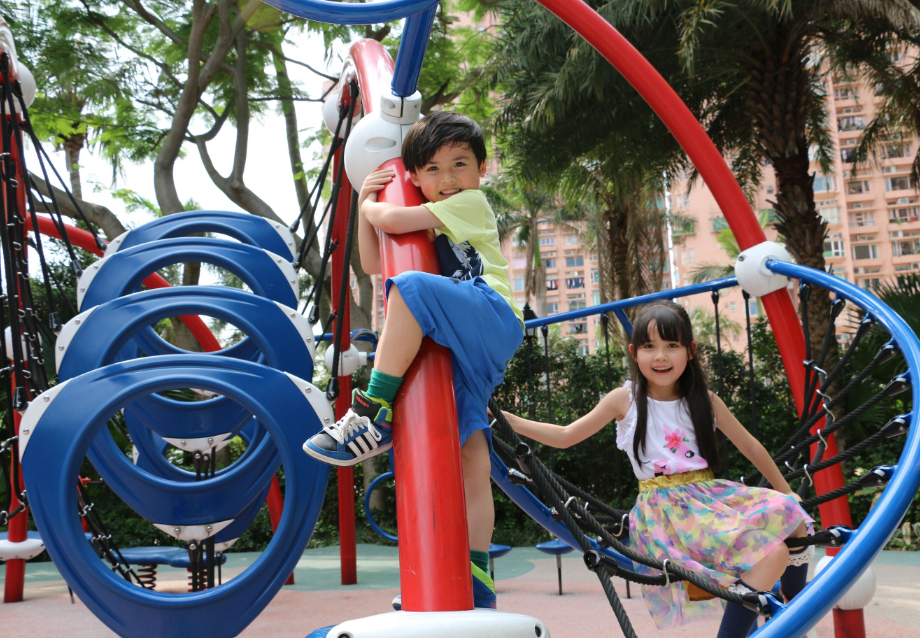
(667, 322)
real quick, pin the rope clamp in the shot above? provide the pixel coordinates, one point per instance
(622, 525)
(664, 568)
(820, 434)
(807, 475)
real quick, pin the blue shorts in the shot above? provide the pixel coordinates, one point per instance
(479, 328)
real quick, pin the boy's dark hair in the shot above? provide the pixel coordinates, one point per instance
(673, 324)
(437, 129)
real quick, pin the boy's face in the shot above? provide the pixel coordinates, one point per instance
(450, 170)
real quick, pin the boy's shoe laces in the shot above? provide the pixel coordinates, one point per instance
(349, 425)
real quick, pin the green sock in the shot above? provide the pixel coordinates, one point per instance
(383, 386)
(480, 559)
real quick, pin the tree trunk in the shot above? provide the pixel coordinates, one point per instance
(73, 144)
(778, 96)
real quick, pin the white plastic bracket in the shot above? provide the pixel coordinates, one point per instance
(349, 361)
(443, 624)
(303, 328)
(67, 334)
(378, 137)
(33, 414)
(752, 272)
(113, 246)
(287, 268)
(201, 444)
(192, 532)
(23, 550)
(316, 398)
(86, 279)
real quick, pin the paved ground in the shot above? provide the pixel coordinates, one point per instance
(526, 583)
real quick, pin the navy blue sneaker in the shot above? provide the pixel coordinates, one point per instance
(483, 591)
(365, 431)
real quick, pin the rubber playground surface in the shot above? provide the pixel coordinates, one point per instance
(526, 582)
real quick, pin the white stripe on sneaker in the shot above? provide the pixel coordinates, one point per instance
(355, 450)
(370, 440)
(360, 441)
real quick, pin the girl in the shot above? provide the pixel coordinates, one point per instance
(666, 418)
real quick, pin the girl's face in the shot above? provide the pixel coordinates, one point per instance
(661, 362)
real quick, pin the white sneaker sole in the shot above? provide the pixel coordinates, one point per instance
(328, 461)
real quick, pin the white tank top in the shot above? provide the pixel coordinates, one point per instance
(670, 443)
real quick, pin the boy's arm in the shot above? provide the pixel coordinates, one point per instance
(368, 245)
(396, 220)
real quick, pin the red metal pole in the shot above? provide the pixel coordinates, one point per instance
(348, 551)
(434, 561)
(728, 194)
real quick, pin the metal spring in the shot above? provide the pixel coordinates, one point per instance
(147, 576)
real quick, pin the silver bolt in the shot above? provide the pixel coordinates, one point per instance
(46, 398)
(77, 321)
(292, 281)
(740, 257)
(326, 419)
(96, 267)
(308, 390)
(177, 530)
(82, 289)
(26, 431)
(208, 528)
(182, 442)
(61, 348)
(293, 314)
(210, 440)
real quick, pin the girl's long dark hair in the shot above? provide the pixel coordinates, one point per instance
(673, 324)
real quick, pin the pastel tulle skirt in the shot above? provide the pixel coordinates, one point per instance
(716, 528)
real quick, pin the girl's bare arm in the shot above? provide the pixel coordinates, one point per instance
(613, 406)
(750, 447)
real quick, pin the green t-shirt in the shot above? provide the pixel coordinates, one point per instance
(473, 249)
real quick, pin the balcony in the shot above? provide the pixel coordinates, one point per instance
(683, 228)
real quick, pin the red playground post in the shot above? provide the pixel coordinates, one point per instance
(434, 560)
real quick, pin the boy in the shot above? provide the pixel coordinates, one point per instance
(468, 308)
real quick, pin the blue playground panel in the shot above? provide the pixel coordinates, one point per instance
(71, 418)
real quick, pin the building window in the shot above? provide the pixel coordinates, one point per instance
(571, 262)
(752, 307)
(903, 215)
(869, 283)
(862, 219)
(570, 239)
(578, 328)
(866, 251)
(847, 155)
(825, 183)
(549, 263)
(596, 298)
(844, 93)
(858, 187)
(595, 277)
(904, 248)
(552, 308)
(519, 262)
(733, 306)
(895, 151)
(833, 247)
(552, 284)
(692, 256)
(898, 183)
(579, 304)
(518, 283)
(851, 123)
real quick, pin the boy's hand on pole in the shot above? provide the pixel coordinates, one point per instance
(374, 183)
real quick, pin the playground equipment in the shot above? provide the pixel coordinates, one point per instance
(256, 376)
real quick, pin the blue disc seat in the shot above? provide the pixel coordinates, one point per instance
(556, 548)
(496, 551)
(148, 558)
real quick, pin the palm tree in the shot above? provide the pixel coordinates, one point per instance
(761, 65)
(521, 208)
(704, 327)
(728, 242)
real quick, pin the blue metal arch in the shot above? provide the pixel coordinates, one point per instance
(249, 229)
(826, 588)
(72, 420)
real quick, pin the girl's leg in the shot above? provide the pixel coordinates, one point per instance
(795, 577)
(400, 339)
(480, 510)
